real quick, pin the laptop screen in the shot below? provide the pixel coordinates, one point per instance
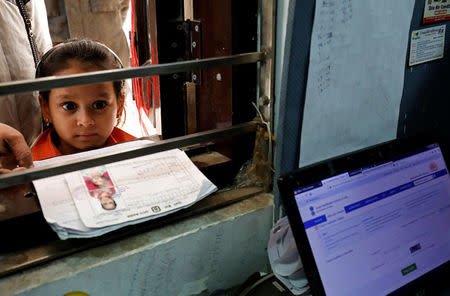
(376, 228)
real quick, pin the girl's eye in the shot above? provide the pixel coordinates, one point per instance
(99, 105)
(69, 106)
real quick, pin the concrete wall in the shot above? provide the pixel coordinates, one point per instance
(217, 250)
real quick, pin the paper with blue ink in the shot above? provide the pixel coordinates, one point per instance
(142, 188)
(355, 76)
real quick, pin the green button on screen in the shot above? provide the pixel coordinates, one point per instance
(408, 269)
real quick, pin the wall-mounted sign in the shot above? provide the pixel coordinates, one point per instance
(427, 45)
(436, 11)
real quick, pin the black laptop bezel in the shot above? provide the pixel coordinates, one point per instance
(374, 155)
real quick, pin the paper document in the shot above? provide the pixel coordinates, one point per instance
(427, 45)
(355, 76)
(436, 11)
(94, 201)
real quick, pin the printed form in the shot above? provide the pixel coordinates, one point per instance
(94, 201)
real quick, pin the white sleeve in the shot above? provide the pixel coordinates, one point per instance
(38, 15)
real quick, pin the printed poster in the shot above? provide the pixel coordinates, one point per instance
(427, 45)
(436, 11)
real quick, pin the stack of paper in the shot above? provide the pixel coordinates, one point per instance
(98, 200)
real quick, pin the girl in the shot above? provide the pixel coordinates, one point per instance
(79, 118)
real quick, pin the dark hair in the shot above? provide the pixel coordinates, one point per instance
(88, 52)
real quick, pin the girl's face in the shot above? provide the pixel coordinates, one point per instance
(83, 116)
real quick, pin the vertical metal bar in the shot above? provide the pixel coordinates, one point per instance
(191, 107)
(267, 10)
(267, 40)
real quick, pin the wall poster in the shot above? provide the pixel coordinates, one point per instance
(427, 45)
(355, 76)
(436, 11)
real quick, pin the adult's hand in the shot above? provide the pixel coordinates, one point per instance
(14, 151)
(15, 155)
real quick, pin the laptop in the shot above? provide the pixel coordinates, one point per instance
(375, 221)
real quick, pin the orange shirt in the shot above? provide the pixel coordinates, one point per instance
(44, 148)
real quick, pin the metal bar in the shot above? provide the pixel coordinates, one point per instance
(267, 35)
(47, 83)
(268, 10)
(28, 175)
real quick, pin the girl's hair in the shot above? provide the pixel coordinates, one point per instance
(88, 53)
